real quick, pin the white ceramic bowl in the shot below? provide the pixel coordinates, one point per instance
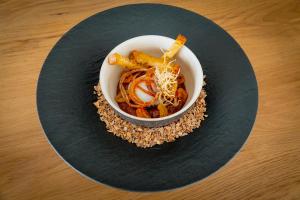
(190, 68)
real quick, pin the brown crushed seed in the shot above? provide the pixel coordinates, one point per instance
(147, 137)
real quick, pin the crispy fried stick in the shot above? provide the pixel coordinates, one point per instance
(145, 59)
(117, 59)
(176, 46)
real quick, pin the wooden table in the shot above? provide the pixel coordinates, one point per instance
(268, 166)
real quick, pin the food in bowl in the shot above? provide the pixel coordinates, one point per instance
(149, 86)
(151, 44)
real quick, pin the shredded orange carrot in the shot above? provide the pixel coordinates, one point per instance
(133, 95)
(123, 90)
(146, 91)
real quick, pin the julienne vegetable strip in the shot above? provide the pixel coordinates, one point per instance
(134, 97)
(146, 91)
(123, 90)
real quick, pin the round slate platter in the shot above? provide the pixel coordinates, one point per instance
(65, 100)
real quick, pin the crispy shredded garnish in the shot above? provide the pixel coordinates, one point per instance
(166, 81)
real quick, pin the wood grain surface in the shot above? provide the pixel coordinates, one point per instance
(268, 166)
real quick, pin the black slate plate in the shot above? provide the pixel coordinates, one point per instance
(64, 100)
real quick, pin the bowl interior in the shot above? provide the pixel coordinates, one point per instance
(190, 68)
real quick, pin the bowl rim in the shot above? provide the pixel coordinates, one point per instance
(186, 107)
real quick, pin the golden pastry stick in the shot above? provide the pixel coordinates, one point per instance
(117, 59)
(145, 59)
(176, 46)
